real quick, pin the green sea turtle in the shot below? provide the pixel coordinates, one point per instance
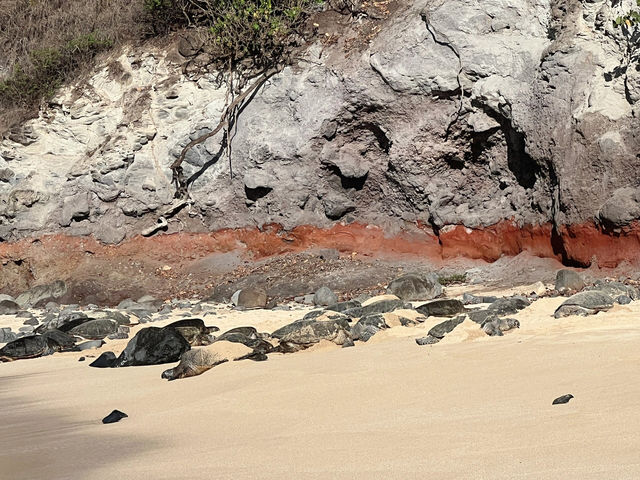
(194, 331)
(198, 360)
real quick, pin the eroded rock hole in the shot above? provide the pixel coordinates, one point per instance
(383, 140)
(257, 193)
(523, 167)
(348, 182)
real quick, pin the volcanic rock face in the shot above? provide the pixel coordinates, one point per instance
(455, 115)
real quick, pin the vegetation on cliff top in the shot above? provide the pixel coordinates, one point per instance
(47, 42)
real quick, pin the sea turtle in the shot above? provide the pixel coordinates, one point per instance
(584, 303)
(368, 326)
(198, 360)
(443, 307)
(27, 347)
(249, 337)
(194, 331)
(494, 326)
(308, 332)
(95, 329)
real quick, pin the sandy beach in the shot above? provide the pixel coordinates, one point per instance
(472, 406)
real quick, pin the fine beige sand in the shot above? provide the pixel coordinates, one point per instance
(470, 407)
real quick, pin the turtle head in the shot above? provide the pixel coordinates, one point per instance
(170, 374)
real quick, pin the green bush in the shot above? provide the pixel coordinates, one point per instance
(260, 31)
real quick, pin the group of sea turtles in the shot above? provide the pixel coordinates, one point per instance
(194, 345)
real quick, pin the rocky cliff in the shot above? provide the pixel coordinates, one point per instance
(485, 128)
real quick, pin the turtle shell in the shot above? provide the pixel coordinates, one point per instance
(95, 329)
(26, 347)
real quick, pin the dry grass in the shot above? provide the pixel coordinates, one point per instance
(45, 42)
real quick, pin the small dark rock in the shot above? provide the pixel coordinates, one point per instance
(31, 321)
(562, 399)
(105, 360)
(153, 346)
(82, 359)
(114, 417)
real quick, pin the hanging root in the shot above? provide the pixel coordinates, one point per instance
(227, 121)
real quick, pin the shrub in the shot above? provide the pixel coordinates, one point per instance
(258, 33)
(45, 42)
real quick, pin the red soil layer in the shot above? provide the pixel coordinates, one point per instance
(490, 243)
(59, 256)
(586, 244)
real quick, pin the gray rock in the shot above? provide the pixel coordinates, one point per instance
(416, 287)
(114, 416)
(507, 156)
(252, 298)
(153, 346)
(31, 321)
(568, 280)
(324, 296)
(444, 307)
(337, 205)
(105, 360)
(584, 303)
(6, 297)
(621, 208)
(9, 307)
(74, 208)
(42, 294)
